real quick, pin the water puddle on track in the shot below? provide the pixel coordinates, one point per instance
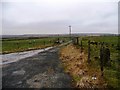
(13, 57)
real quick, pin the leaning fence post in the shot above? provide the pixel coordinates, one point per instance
(89, 51)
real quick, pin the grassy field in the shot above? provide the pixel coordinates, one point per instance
(23, 44)
(111, 73)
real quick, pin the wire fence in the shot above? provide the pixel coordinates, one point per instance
(105, 54)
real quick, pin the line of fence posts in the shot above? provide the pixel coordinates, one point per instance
(104, 55)
(75, 40)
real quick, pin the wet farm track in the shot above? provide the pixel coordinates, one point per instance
(43, 70)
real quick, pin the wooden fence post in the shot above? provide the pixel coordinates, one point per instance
(77, 40)
(81, 46)
(101, 58)
(18, 45)
(50, 42)
(89, 51)
(44, 43)
(107, 61)
(58, 40)
(33, 43)
(73, 40)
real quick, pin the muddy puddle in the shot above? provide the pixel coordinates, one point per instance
(13, 57)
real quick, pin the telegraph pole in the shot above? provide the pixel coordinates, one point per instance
(70, 31)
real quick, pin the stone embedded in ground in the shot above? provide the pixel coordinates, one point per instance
(36, 80)
(94, 78)
(19, 72)
(80, 72)
(20, 82)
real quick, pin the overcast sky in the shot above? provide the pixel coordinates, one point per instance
(54, 16)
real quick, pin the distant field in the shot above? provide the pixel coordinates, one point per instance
(112, 74)
(23, 44)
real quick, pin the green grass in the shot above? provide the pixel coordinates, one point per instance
(111, 74)
(76, 78)
(23, 44)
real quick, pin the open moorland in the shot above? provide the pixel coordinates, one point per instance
(86, 62)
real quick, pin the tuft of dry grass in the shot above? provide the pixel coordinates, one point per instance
(75, 63)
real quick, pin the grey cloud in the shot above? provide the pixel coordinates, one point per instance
(41, 18)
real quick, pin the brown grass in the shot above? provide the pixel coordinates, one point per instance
(75, 64)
